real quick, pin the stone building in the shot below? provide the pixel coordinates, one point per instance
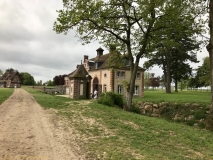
(10, 79)
(105, 78)
(78, 83)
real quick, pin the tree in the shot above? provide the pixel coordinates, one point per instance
(203, 72)
(130, 25)
(59, 80)
(147, 77)
(26, 79)
(50, 83)
(174, 46)
(39, 83)
(1, 73)
(154, 81)
(210, 50)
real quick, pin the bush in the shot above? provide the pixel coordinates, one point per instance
(111, 99)
(135, 109)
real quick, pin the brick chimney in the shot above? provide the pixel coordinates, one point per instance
(86, 57)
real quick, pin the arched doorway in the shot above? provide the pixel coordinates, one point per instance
(97, 86)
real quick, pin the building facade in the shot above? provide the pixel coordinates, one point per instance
(10, 79)
(105, 78)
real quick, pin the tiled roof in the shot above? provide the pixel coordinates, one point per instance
(8, 75)
(80, 72)
(102, 60)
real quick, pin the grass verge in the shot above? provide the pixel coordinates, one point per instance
(201, 97)
(5, 93)
(111, 133)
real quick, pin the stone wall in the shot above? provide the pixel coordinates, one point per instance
(191, 113)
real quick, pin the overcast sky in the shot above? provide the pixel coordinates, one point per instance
(29, 44)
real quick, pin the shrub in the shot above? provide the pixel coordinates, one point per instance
(135, 109)
(111, 99)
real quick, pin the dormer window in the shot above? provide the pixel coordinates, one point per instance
(127, 63)
(138, 75)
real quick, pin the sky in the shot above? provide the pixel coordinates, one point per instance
(29, 44)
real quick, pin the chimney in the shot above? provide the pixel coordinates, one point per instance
(100, 51)
(86, 57)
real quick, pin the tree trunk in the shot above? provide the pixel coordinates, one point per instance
(210, 50)
(168, 78)
(176, 85)
(210, 46)
(132, 85)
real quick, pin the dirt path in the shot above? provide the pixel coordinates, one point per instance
(27, 131)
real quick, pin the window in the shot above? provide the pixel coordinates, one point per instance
(105, 88)
(120, 74)
(138, 75)
(120, 88)
(136, 90)
(105, 75)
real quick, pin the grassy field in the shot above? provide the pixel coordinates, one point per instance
(5, 93)
(201, 97)
(110, 133)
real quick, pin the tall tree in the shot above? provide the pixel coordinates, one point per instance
(27, 79)
(203, 72)
(147, 77)
(131, 25)
(210, 50)
(1, 73)
(174, 45)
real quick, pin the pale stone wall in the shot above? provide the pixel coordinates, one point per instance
(138, 82)
(105, 80)
(108, 78)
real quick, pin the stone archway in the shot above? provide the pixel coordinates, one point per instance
(96, 86)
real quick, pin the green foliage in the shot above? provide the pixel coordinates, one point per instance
(135, 109)
(203, 72)
(50, 83)
(111, 99)
(135, 27)
(1, 73)
(147, 77)
(26, 78)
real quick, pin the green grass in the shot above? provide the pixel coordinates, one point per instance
(111, 133)
(201, 97)
(5, 93)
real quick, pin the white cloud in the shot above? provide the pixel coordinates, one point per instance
(29, 44)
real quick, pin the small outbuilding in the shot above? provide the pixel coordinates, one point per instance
(10, 79)
(78, 83)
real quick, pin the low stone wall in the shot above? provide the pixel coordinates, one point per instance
(57, 90)
(37, 87)
(191, 113)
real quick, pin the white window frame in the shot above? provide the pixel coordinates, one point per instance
(105, 88)
(120, 89)
(136, 90)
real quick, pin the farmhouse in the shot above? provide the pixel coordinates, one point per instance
(10, 79)
(96, 74)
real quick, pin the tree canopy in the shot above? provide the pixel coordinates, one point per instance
(26, 79)
(133, 26)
